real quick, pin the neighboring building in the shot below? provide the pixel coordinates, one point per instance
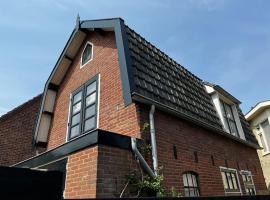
(17, 131)
(259, 119)
(108, 83)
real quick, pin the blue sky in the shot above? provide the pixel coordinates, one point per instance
(222, 41)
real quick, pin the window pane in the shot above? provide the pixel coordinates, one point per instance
(91, 88)
(225, 183)
(77, 97)
(74, 131)
(90, 111)
(228, 111)
(234, 180)
(89, 124)
(75, 119)
(87, 54)
(233, 127)
(194, 181)
(90, 99)
(187, 192)
(185, 179)
(76, 108)
(230, 183)
(189, 179)
(263, 143)
(192, 192)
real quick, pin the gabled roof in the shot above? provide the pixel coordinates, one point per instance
(257, 109)
(148, 76)
(223, 92)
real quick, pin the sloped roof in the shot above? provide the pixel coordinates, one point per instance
(160, 78)
(148, 75)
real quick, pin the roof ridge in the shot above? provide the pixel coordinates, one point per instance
(19, 107)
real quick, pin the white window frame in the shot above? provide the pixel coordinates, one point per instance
(217, 98)
(249, 174)
(92, 54)
(237, 177)
(261, 132)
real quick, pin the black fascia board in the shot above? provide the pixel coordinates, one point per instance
(124, 59)
(123, 51)
(92, 138)
(49, 80)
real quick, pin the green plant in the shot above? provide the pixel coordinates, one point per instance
(145, 126)
(175, 193)
(153, 185)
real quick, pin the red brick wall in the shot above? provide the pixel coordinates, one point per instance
(81, 175)
(16, 132)
(113, 166)
(100, 171)
(114, 116)
(189, 138)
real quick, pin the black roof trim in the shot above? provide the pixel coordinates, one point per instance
(92, 138)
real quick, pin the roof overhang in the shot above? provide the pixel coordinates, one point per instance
(164, 108)
(218, 89)
(65, 60)
(259, 108)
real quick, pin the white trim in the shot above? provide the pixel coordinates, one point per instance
(64, 192)
(250, 174)
(256, 109)
(238, 122)
(237, 177)
(264, 138)
(98, 100)
(68, 121)
(92, 54)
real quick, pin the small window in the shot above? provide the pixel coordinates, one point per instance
(248, 182)
(229, 119)
(83, 112)
(230, 181)
(87, 54)
(263, 142)
(191, 184)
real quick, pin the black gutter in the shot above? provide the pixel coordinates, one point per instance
(145, 100)
(95, 137)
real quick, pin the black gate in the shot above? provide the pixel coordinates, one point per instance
(20, 183)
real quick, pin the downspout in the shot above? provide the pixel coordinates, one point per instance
(153, 139)
(134, 148)
(144, 164)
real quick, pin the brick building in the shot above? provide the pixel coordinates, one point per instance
(17, 131)
(107, 86)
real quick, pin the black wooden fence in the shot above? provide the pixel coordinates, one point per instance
(257, 197)
(20, 183)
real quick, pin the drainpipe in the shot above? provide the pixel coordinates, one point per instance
(153, 139)
(144, 164)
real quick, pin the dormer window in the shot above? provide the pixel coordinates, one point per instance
(229, 119)
(227, 109)
(87, 54)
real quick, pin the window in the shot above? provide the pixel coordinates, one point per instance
(87, 54)
(83, 110)
(265, 138)
(229, 119)
(248, 182)
(191, 185)
(230, 181)
(263, 142)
